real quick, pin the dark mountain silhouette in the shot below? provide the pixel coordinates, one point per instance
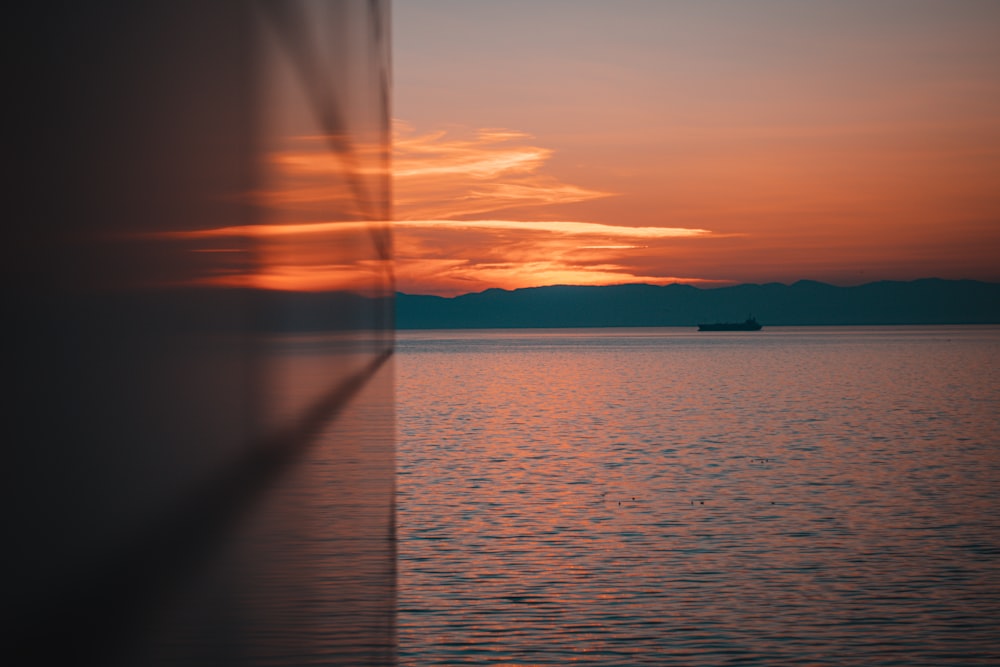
(807, 302)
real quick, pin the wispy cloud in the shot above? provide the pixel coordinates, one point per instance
(437, 175)
(455, 200)
(558, 227)
(471, 211)
(458, 256)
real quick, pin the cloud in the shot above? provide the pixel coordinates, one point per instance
(454, 277)
(448, 237)
(313, 256)
(459, 256)
(558, 228)
(437, 175)
(458, 197)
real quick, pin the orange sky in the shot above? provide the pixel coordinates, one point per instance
(569, 141)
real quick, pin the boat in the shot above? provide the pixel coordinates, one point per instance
(749, 324)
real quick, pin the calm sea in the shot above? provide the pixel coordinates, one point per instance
(820, 496)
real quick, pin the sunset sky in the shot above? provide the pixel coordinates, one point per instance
(713, 142)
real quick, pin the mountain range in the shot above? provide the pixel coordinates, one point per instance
(806, 302)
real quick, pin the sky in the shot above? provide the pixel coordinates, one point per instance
(707, 142)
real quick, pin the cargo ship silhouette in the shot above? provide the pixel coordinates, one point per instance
(749, 324)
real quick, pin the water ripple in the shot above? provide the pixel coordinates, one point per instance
(656, 498)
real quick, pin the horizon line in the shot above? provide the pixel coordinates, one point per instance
(712, 287)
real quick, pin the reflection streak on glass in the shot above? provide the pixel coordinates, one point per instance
(200, 298)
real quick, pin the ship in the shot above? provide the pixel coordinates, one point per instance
(749, 324)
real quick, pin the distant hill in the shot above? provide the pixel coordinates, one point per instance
(926, 301)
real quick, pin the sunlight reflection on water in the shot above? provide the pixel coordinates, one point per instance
(626, 497)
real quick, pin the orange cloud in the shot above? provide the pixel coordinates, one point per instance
(304, 256)
(455, 257)
(563, 229)
(322, 225)
(437, 176)
(450, 240)
(356, 277)
(555, 227)
(306, 181)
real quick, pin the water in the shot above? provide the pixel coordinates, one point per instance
(663, 497)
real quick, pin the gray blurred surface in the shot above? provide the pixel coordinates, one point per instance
(165, 416)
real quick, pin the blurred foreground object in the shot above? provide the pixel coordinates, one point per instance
(198, 297)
